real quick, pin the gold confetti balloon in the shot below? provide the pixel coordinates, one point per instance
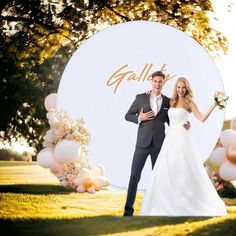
(233, 124)
(231, 154)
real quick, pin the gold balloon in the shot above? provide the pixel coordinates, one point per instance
(87, 182)
(233, 124)
(231, 154)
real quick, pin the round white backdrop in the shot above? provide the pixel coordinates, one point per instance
(104, 75)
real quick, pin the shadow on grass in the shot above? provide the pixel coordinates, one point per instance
(89, 226)
(226, 228)
(34, 189)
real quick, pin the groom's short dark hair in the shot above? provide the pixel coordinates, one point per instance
(158, 73)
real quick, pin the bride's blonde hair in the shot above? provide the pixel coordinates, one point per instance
(188, 97)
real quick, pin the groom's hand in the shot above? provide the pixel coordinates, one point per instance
(187, 126)
(145, 116)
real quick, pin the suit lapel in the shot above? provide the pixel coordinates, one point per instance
(147, 102)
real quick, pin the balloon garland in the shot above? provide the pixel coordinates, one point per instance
(65, 152)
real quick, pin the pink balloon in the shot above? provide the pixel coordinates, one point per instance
(50, 101)
(228, 137)
(55, 167)
(91, 189)
(218, 156)
(81, 189)
(228, 172)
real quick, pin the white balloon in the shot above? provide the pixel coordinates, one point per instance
(50, 101)
(218, 156)
(102, 169)
(67, 151)
(228, 172)
(77, 181)
(107, 182)
(95, 172)
(45, 157)
(228, 137)
(84, 173)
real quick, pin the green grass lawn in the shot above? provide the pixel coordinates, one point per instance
(32, 202)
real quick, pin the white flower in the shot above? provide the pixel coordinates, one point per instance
(53, 121)
(223, 103)
(221, 99)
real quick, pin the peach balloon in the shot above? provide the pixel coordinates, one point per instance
(55, 167)
(227, 171)
(99, 182)
(228, 137)
(91, 189)
(84, 173)
(73, 186)
(233, 124)
(50, 101)
(97, 188)
(231, 154)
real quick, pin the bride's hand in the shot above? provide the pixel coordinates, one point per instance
(187, 125)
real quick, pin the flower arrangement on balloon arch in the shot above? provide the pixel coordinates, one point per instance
(65, 152)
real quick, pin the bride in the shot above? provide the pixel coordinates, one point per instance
(179, 184)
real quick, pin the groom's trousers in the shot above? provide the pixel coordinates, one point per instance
(139, 159)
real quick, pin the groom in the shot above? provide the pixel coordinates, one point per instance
(150, 112)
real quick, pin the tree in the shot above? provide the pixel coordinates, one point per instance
(37, 38)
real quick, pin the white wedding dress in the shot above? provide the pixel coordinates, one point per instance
(180, 185)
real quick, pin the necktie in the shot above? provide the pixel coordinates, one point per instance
(157, 104)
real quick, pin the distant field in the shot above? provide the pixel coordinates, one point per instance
(32, 202)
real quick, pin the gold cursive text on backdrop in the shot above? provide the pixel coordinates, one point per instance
(121, 74)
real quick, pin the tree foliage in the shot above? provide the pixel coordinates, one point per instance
(37, 38)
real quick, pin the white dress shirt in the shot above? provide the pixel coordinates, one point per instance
(155, 103)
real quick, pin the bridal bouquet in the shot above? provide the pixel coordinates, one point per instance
(221, 99)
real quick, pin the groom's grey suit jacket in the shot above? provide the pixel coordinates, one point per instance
(153, 129)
